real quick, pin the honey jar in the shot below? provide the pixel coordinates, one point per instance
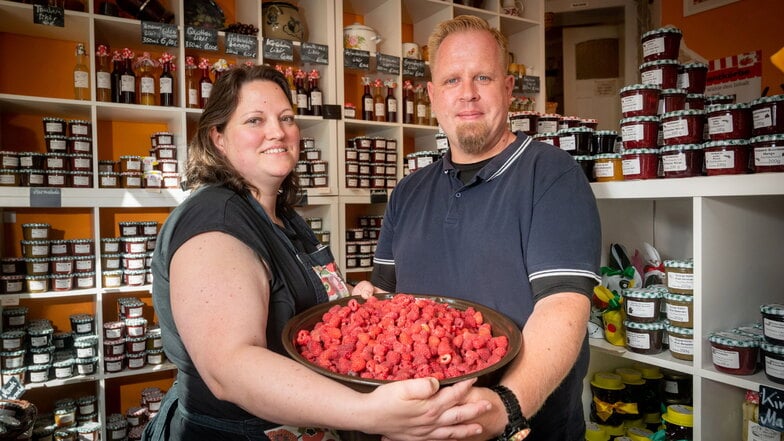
(608, 167)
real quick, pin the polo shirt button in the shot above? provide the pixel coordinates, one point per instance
(457, 195)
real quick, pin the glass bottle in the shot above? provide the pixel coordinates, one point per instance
(191, 83)
(302, 93)
(316, 96)
(391, 102)
(289, 74)
(409, 102)
(430, 112)
(128, 79)
(103, 77)
(422, 107)
(145, 66)
(379, 107)
(81, 74)
(367, 100)
(205, 83)
(117, 71)
(166, 81)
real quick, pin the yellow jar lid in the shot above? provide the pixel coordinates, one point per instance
(607, 380)
(593, 432)
(630, 376)
(649, 372)
(614, 431)
(680, 415)
(638, 434)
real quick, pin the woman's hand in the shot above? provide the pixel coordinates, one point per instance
(364, 289)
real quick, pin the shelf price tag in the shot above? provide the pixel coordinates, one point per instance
(530, 84)
(49, 15)
(388, 64)
(242, 45)
(45, 197)
(201, 38)
(413, 68)
(356, 59)
(771, 408)
(12, 389)
(9, 300)
(278, 49)
(314, 53)
(378, 197)
(162, 34)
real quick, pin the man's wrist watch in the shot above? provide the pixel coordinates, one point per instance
(517, 428)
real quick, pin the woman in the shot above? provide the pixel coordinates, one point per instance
(233, 263)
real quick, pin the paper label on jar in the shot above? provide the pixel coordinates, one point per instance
(11, 343)
(16, 320)
(424, 161)
(41, 358)
(683, 281)
(36, 179)
(10, 162)
(81, 181)
(681, 345)
(773, 329)
(638, 340)
(82, 163)
(39, 341)
(53, 127)
(631, 166)
(720, 124)
(639, 309)
(54, 163)
(633, 132)
(758, 433)
(85, 282)
(762, 118)
(39, 376)
(7, 179)
(81, 146)
(41, 268)
(718, 160)
(768, 156)
(774, 368)
(604, 169)
(63, 284)
(113, 366)
(567, 143)
(154, 359)
(81, 129)
(678, 313)
(37, 286)
(13, 362)
(675, 129)
(683, 81)
(86, 409)
(726, 359)
(652, 77)
(63, 372)
(631, 103)
(81, 249)
(108, 181)
(653, 46)
(546, 126)
(522, 125)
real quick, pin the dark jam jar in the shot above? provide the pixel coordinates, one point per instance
(728, 157)
(586, 164)
(575, 140)
(548, 123)
(607, 388)
(712, 100)
(640, 164)
(773, 361)
(773, 323)
(682, 127)
(695, 101)
(671, 100)
(640, 100)
(767, 114)
(644, 338)
(551, 138)
(640, 132)
(733, 353)
(728, 121)
(692, 77)
(768, 153)
(524, 121)
(660, 44)
(605, 141)
(678, 422)
(662, 73)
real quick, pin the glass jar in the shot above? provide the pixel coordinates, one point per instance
(773, 323)
(640, 164)
(729, 121)
(692, 77)
(680, 342)
(773, 361)
(726, 157)
(551, 138)
(767, 115)
(671, 100)
(642, 305)
(768, 153)
(594, 432)
(681, 161)
(644, 338)
(607, 167)
(575, 140)
(661, 43)
(548, 123)
(734, 354)
(683, 127)
(678, 422)
(607, 389)
(605, 141)
(695, 101)
(680, 276)
(640, 132)
(525, 121)
(661, 73)
(586, 164)
(679, 309)
(640, 100)
(53, 126)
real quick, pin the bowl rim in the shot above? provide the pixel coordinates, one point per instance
(498, 319)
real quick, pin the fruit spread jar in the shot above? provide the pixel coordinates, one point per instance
(591, 123)
(575, 140)
(679, 309)
(767, 115)
(640, 164)
(768, 153)
(548, 123)
(644, 338)
(640, 132)
(681, 161)
(729, 121)
(525, 121)
(662, 43)
(712, 100)
(53, 126)
(692, 77)
(695, 101)
(607, 167)
(727, 157)
(773, 323)
(680, 276)
(662, 73)
(681, 342)
(568, 121)
(773, 361)
(639, 100)
(678, 422)
(551, 138)
(734, 353)
(586, 163)
(671, 100)
(604, 141)
(606, 388)
(642, 305)
(683, 127)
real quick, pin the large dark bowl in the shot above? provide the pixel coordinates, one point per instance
(501, 325)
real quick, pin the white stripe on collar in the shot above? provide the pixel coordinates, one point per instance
(512, 158)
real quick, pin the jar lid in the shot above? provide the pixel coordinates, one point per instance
(36, 225)
(750, 331)
(643, 118)
(666, 62)
(777, 138)
(130, 157)
(133, 255)
(673, 92)
(15, 310)
(31, 154)
(37, 277)
(112, 272)
(727, 338)
(89, 426)
(578, 129)
(665, 30)
(726, 143)
(640, 152)
(13, 334)
(769, 347)
(642, 293)
(652, 326)
(607, 380)
(680, 415)
(85, 340)
(768, 99)
(136, 321)
(104, 173)
(724, 107)
(640, 86)
(550, 115)
(52, 118)
(680, 147)
(720, 98)
(630, 376)
(34, 242)
(773, 309)
(87, 399)
(583, 158)
(88, 360)
(40, 330)
(686, 263)
(588, 120)
(82, 241)
(64, 362)
(134, 239)
(605, 133)
(545, 135)
(684, 112)
(593, 432)
(678, 330)
(607, 156)
(678, 297)
(694, 65)
(39, 367)
(81, 318)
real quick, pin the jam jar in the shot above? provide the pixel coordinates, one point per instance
(773, 323)
(671, 100)
(692, 77)
(640, 132)
(683, 127)
(681, 161)
(640, 100)
(662, 73)
(729, 121)
(548, 123)
(642, 305)
(711, 100)
(727, 157)
(681, 342)
(679, 309)
(767, 115)
(605, 141)
(607, 167)
(79, 127)
(661, 43)
(695, 101)
(551, 138)
(644, 338)
(525, 122)
(575, 140)
(680, 276)
(606, 387)
(54, 126)
(734, 353)
(768, 153)
(36, 231)
(640, 164)
(586, 164)
(678, 422)
(9, 160)
(773, 361)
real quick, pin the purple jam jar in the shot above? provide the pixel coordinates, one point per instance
(640, 100)
(661, 44)
(662, 73)
(692, 77)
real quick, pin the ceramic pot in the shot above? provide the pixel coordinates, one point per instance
(282, 20)
(361, 37)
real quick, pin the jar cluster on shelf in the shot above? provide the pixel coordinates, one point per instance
(361, 242)
(371, 162)
(312, 170)
(126, 260)
(128, 342)
(72, 418)
(158, 169)
(131, 425)
(317, 225)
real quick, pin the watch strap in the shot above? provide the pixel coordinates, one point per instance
(517, 428)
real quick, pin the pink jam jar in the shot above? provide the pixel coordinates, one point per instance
(640, 132)
(767, 115)
(768, 153)
(662, 73)
(695, 101)
(681, 161)
(692, 77)
(639, 100)
(640, 164)
(729, 121)
(660, 44)
(726, 157)
(683, 127)
(671, 100)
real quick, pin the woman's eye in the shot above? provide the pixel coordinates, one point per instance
(255, 120)
(287, 118)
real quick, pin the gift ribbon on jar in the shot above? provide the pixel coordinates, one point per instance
(605, 410)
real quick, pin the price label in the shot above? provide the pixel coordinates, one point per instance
(315, 53)
(45, 197)
(242, 45)
(162, 34)
(530, 84)
(201, 38)
(49, 15)
(278, 49)
(413, 68)
(388, 64)
(356, 59)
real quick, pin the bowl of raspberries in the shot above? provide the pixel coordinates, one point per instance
(388, 337)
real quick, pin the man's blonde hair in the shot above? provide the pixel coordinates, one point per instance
(465, 23)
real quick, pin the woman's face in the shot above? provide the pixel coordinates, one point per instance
(261, 140)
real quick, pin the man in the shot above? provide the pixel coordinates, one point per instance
(503, 221)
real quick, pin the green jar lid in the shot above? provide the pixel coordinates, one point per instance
(640, 86)
(15, 310)
(665, 30)
(725, 107)
(655, 63)
(85, 341)
(774, 349)
(605, 133)
(578, 129)
(749, 331)
(643, 118)
(130, 157)
(546, 135)
(694, 65)
(727, 338)
(684, 112)
(39, 367)
(40, 330)
(673, 92)
(81, 318)
(36, 225)
(777, 138)
(712, 98)
(695, 96)
(583, 158)
(642, 293)
(652, 326)
(678, 297)
(15, 353)
(685, 263)
(768, 99)
(678, 330)
(773, 309)
(680, 148)
(66, 362)
(726, 143)
(607, 156)
(640, 152)
(13, 334)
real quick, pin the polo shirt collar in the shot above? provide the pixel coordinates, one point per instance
(498, 164)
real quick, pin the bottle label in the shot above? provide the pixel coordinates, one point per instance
(104, 80)
(302, 101)
(392, 106)
(315, 98)
(206, 89)
(147, 85)
(127, 83)
(166, 85)
(409, 108)
(193, 97)
(379, 109)
(368, 103)
(81, 79)
(421, 111)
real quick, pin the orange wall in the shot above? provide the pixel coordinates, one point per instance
(743, 26)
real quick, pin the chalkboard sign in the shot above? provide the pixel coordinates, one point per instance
(413, 68)
(278, 49)
(530, 84)
(163, 34)
(328, 111)
(388, 64)
(201, 38)
(49, 15)
(242, 45)
(771, 408)
(45, 197)
(314, 53)
(356, 59)
(378, 197)
(13, 389)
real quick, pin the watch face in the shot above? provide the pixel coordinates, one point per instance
(520, 434)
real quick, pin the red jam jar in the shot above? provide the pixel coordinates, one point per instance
(525, 122)
(639, 100)
(728, 157)
(671, 100)
(695, 101)
(591, 123)
(711, 100)
(640, 164)
(568, 121)
(662, 73)
(548, 123)
(660, 44)
(551, 138)
(729, 121)
(768, 153)
(683, 127)
(734, 353)
(575, 140)
(681, 161)
(767, 115)
(640, 132)
(692, 77)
